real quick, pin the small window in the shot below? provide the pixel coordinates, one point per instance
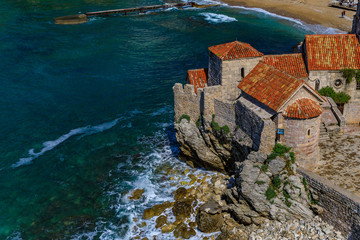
(242, 72)
(357, 85)
(308, 132)
(317, 84)
(338, 83)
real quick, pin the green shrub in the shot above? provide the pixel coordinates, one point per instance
(304, 183)
(270, 193)
(184, 116)
(280, 150)
(264, 168)
(292, 156)
(276, 182)
(357, 76)
(348, 74)
(339, 98)
(225, 129)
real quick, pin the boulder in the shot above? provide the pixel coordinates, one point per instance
(158, 209)
(183, 231)
(148, 213)
(161, 221)
(183, 208)
(209, 217)
(180, 193)
(168, 228)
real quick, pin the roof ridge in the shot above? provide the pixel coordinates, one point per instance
(284, 54)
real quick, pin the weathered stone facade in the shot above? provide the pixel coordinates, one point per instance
(303, 137)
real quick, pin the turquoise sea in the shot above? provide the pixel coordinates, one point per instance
(86, 110)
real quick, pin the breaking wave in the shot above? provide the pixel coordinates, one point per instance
(217, 18)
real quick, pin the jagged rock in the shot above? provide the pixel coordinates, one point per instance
(161, 221)
(276, 166)
(194, 148)
(183, 231)
(209, 217)
(183, 208)
(148, 213)
(137, 194)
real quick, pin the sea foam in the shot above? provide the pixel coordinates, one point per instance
(81, 132)
(217, 18)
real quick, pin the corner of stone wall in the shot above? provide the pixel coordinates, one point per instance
(186, 101)
(340, 207)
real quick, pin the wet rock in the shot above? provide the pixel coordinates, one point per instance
(209, 217)
(158, 209)
(183, 208)
(161, 221)
(180, 193)
(183, 231)
(148, 213)
(168, 228)
(137, 194)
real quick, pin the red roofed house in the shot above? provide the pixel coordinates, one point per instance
(325, 56)
(265, 99)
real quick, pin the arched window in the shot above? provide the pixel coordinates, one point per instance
(308, 132)
(242, 72)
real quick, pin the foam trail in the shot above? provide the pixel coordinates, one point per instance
(217, 18)
(49, 145)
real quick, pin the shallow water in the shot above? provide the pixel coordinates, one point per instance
(86, 110)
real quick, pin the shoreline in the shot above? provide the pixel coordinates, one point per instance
(310, 12)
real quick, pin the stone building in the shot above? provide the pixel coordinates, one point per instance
(273, 98)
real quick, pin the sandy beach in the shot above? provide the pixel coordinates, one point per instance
(309, 11)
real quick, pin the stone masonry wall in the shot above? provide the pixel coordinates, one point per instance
(256, 124)
(340, 207)
(231, 74)
(303, 137)
(215, 68)
(186, 101)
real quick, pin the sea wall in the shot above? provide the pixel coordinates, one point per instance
(340, 207)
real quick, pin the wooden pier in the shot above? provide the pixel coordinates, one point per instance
(82, 18)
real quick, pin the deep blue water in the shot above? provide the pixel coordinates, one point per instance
(86, 110)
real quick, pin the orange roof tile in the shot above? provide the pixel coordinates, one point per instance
(198, 78)
(303, 108)
(332, 52)
(292, 64)
(269, 85)
(234, 50)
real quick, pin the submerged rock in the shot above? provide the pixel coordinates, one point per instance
(137, 194)
(148, 213)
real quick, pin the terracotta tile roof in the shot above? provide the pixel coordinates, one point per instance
(234, 50)
(198, 78)
(292, 64)
(303, 108)
(332, 52)
(269, 85)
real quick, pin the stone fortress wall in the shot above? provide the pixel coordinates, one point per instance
(340, 208)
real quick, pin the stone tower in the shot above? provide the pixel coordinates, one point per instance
(356, 22)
